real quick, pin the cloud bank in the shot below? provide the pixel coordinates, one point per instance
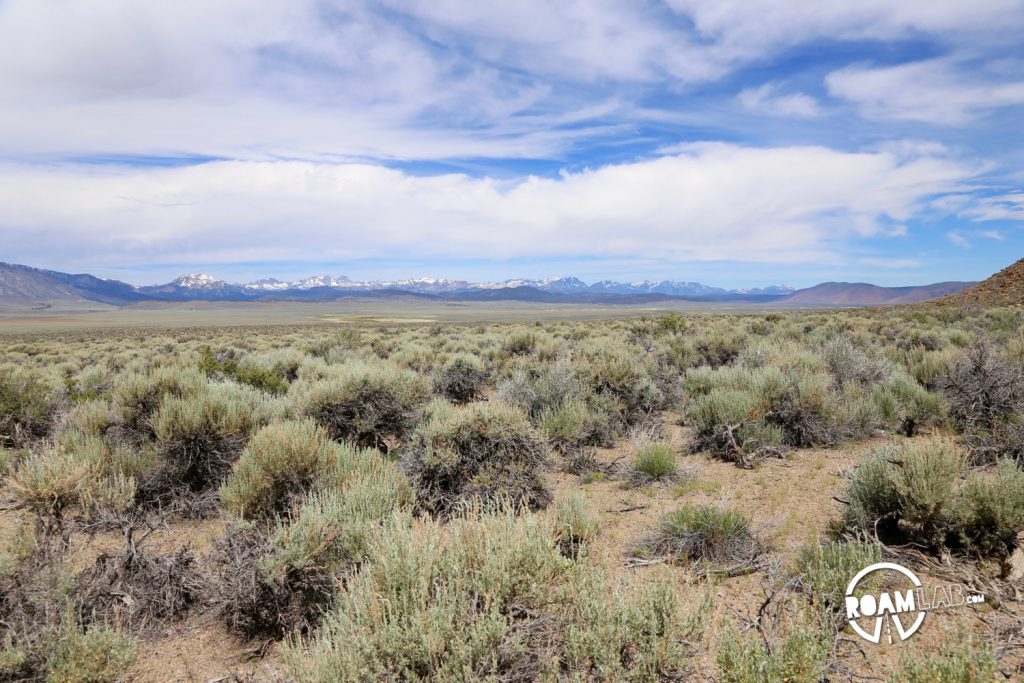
(710, 202)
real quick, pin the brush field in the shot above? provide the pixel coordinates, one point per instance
(664, 498)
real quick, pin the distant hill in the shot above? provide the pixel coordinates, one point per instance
(26, 286)
(1005, 288)
(864, 294)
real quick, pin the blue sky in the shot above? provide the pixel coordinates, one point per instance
(732, 142)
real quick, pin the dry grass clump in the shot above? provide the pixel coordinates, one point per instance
(653, 461)
(823, 571)
(491, 597)
(959, 660)
(484, 450)
(575, 524)
(722, 541)
(366, 403)
(796, 652)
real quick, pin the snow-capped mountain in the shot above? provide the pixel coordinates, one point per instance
(770, 290)
(321, 281)
(326, 287)
(23, 286)
(426, 285)
(268, 284)
(549, 284)
(198, 281)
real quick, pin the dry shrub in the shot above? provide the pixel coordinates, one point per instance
(50, 483)
(97, 654)
(1004, 441)
(366, 403)
(803, 412)
(913, 483)
(488, 451)
(27, 407)
(35, 588)
(461, 380)
(728, 424)
(849, 362)
(904, 402)
(797, 652)
(575, 524)
(575, 424)
(283, 462)
(712, 348)
(138, 396)
(960, 658)
(990, 510)
(271, 581)
(624, 374)
(491, 597)
(983, 390)
(536, 388)
(256, 603)
(198, 441)
(916, 489)
(44, 632)
(823, 571)
(141, 589)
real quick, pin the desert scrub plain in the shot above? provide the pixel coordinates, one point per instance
(651, 499)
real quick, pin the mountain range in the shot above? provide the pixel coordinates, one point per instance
(24, 286)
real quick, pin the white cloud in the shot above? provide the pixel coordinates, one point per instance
(749, 27)
(958, 239)
(937, 91)
(991, 234)
(1003, 207)
(711, 202)
(891, 262)
(768, 99)
(346, 79)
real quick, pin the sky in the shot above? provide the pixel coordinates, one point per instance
(732, 142)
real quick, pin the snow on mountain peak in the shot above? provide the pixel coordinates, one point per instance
(198, 281)
(561, 284)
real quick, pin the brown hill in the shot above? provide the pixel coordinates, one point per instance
(23, 287)
(1005, 288)
(864, 294)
